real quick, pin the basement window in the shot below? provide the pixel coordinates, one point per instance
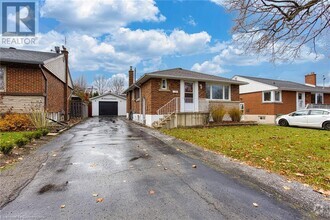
(2, 78)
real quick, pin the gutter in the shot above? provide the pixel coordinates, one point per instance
(46, 85)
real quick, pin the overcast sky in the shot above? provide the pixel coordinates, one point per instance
(107, 36)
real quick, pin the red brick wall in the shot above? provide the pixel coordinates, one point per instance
(308, 98)
(254, 105)
(55, 93)
(160, 97)
(289, 103)
(235, 93)
(327, 98)
(24, 79)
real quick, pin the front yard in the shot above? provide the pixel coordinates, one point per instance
(300, 154)
(12, 136)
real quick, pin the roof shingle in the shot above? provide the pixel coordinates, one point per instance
(25, 56)
(290, 86)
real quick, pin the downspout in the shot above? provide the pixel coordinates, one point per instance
(46, 86)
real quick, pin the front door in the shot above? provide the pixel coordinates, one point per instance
(189, 97)
(300, 100)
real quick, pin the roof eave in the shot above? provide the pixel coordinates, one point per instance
(21, 61)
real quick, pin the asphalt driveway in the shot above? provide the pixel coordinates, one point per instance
(107, 168)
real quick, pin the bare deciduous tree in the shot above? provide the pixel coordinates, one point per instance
(282, 27)
(101, 84)
(117, 84)
(80, 86)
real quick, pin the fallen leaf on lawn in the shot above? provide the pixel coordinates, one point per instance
(194, 166)
(255, 204)
(98, 200)
(62, 206)
(286, 187)
(300, 174)
(95, 194)
(151, 192)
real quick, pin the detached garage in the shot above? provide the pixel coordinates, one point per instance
(108, 105)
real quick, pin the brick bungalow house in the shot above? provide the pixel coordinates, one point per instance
(264, 99)
(178, 97)
(33, 79)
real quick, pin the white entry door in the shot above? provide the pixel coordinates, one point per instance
(189, 97)
(300, 100)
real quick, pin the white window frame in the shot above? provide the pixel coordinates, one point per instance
(272, 96)
(4, 78)
(161, 84)
(223, 91)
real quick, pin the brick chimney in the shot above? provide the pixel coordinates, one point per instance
(66, 85)
(310, 79)
(130, 76)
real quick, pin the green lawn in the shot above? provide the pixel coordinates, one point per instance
(301, 154)
(12, 136)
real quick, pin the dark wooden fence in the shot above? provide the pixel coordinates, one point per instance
(78, 109)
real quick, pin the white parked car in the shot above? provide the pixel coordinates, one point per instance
(315, 118)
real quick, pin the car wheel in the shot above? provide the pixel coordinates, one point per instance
(326, 126)
(283, 122)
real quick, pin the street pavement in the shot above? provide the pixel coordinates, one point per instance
(109, 168)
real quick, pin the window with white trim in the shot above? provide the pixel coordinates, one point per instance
(217, 92)
(267, 96)
(2, 78)
(163, 84)
(272, 96)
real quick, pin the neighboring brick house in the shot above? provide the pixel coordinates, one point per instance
(264, 99)
(186, 94)
(33, 79)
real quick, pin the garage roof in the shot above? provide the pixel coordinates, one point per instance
(109, 93)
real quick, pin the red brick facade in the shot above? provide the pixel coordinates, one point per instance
(155, 97)
(55, 94)
(29, 80)
(24, 79)
(234, 92)
(254, 105)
